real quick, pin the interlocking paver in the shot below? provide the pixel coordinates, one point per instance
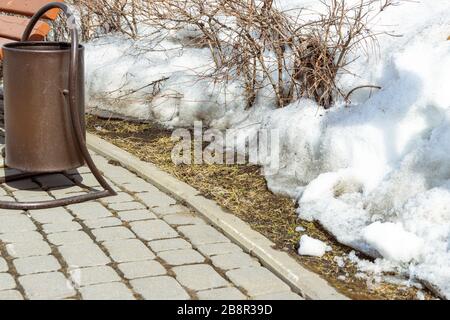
(82, 277)
(54, 180)
(218, 248)
(77, 256)
(169, 244)
(142, 269)
(10, 295)
(6, 282)
(7, 199)
(14, 223)
(67, 238)
(155, 199)
(121, 197)
(3, 265)
(107, 291)
(95, 250)
(136, 215)
(103, 223)
(160, 288)
(47, 286)
(139, 187)
(66, 192)
(163, 210)
(31, 195)
(37, 264)
(24, 249)
(231, 261)
(279, 296)
(87, 180)
(153, 230)
(61, 227)
(180, 257)
(113, 233)
(257, 281)
(203, 234)
(181, 219)
(221, 294)
(128, 250)
(89, 211)
(26, 184)
(17, 237)
(126, 206)
(55, 215)
(199, 277)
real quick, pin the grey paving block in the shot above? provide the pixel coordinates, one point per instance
(237, 260)
(6, 282)
(169, 244)
(38, 264)
(113, 233)
(136, 215)
(181, 257)
(257, 281)
(164, 210)
(218, 248)
(160, 288)
(10, 295)
(24, 249)
(85, 255)
(45, 286)
(54, 180)
(126, 206)
(3, 265)
(17, 237)
(181, 219)
(142, 269)
(203, 234)
(199, 277)
(61, 227)
(155, 199)
(282, 296)
(153, 230)
(103, 223)
(82, 277)
(16, 223)
(55, 215)
(121, 197)
(221, 294)
(89, 211)
(128, 250)
(69, 238)
(107, 291)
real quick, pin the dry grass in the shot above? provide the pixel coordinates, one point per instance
(272, 215)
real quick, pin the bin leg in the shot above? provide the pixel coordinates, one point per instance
(51, 203)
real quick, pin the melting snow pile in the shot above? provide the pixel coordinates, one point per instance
(376, 174)
(312, 247)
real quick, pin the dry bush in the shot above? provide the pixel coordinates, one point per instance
(98, 17)
(253, 41)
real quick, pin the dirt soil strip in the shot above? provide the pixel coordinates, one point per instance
(301, 280)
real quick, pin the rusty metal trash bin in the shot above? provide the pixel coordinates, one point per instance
(44, 110)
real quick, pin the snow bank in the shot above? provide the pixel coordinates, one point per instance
(312, 247)
(393, 242)
(376, 174)
(140, 80)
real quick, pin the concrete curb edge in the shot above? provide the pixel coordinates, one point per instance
(302, 281)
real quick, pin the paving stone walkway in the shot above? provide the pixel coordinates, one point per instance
(141, 244)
